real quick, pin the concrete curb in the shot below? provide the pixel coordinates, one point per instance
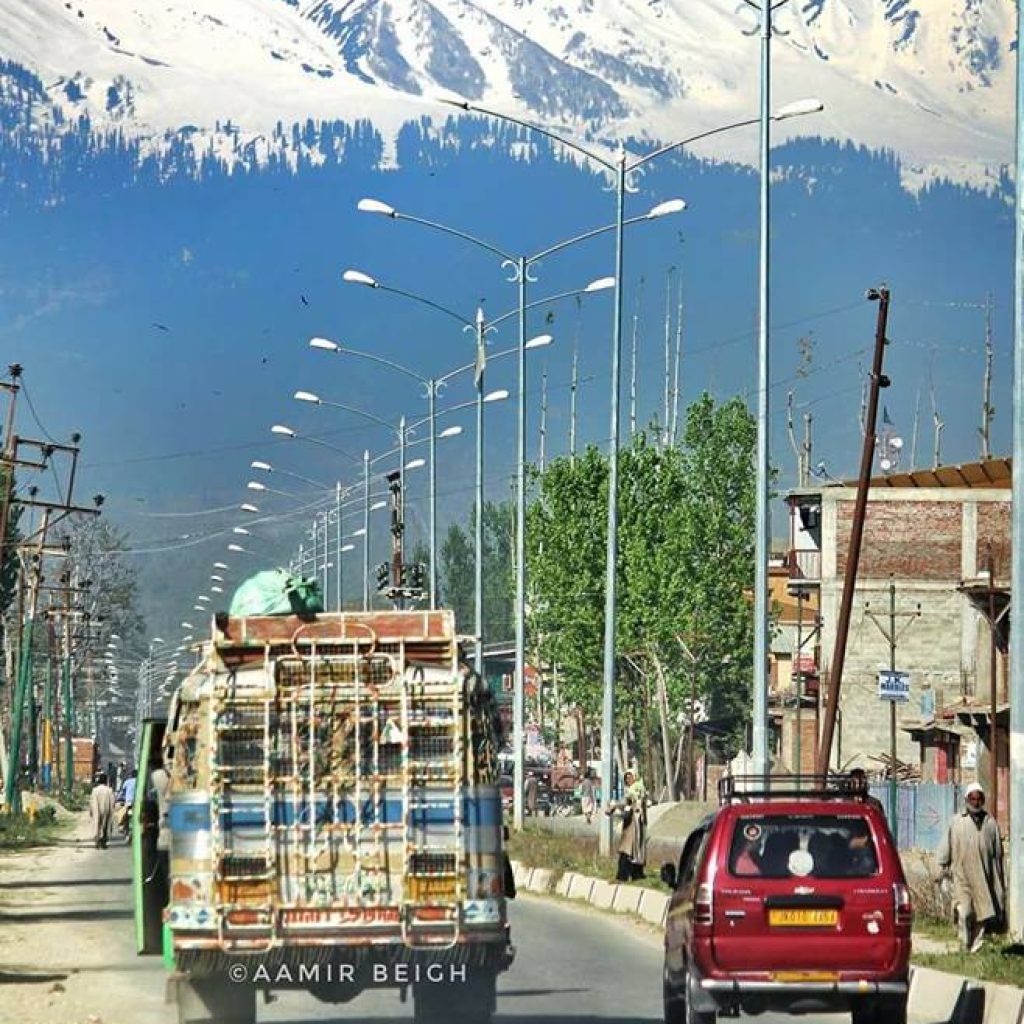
(935, 996)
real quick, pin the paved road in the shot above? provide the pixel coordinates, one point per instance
(67, 957)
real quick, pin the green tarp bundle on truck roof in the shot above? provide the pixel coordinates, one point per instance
(276, 592)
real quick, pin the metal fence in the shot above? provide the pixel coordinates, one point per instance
(923, 811)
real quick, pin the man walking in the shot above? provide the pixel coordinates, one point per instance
(972, 851)
(101, 810)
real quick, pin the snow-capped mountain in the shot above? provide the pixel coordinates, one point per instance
(930, 79)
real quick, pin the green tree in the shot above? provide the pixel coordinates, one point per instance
(565, 541)
(685, 568)
(499, 570)
(456, 582)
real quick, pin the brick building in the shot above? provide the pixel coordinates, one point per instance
(931, 532)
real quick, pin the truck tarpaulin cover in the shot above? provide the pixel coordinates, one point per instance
(276, 592)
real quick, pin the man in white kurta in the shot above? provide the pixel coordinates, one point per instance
(972, 851)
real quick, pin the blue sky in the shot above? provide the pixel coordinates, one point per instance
(168, 321)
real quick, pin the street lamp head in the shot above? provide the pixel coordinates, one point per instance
(186, 625)
(798, 108)
(203, 598)
(260, 464)
(236, 547)
(216, 577)
(358, 277)
(248, 507)
(496, 396)
(540, 341)
(216, 590)
(307, 396)
(378, 505)
(325, 343)
(280, 428)
(157, 640)
(415, 464)
(222, 565)
(241, 531)
(359, 533)
(376, 206)
(666, 208)
(450, 432)
(255, 485)
(348, 547)
(198, 608)
(600, 285)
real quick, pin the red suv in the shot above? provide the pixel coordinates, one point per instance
(790, 898)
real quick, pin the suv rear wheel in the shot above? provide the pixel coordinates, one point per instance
(679, 1007)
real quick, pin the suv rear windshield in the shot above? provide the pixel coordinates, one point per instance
(802, 846)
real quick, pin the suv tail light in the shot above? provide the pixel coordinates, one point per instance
(904, 910)
(703, 903)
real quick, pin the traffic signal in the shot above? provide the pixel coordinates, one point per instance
(383, 575)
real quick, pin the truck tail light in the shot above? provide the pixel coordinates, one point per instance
(703, 904)
(904, 909)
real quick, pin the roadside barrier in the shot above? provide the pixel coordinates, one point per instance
(935, 997)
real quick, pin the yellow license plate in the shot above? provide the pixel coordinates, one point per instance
(799, 976)
(803, 918)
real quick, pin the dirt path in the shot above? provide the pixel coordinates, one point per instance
(67, 940)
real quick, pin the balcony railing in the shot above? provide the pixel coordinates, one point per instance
(804, 564)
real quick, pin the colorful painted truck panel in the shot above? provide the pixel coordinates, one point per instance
(333, 793)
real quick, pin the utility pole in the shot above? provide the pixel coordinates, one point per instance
(878, 381)
(632, 374)
(801, 596)
(12, 791)
(987, 412)
(575, 381)
(917, 420)
(677, 364)
(807, 449)
(993, 735)
(666, 435)
(892, 637)
(543, 418)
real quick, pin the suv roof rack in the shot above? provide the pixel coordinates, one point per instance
(747, 788)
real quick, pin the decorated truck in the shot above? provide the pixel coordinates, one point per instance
(333, 816)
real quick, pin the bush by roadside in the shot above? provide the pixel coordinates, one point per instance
(19, 831)
(537, 848)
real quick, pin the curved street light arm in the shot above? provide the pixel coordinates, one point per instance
(324, 444)
(686, 142)
(592, 233)
(530, 126)
(464, 235)
(538, 302)
(427, 302)
(358, 412)
(380, 359)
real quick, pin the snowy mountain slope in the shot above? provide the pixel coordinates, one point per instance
(931, 80)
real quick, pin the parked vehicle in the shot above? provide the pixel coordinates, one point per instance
(333, 806)
(788, 898)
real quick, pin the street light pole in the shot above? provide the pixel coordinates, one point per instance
(432, 396)
(611, 552)
(366, 530)
(478, 539)
(401, 500)
(519, 692)
(337, 539)
(762, 524)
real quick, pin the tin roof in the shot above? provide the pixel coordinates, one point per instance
(988, 473)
